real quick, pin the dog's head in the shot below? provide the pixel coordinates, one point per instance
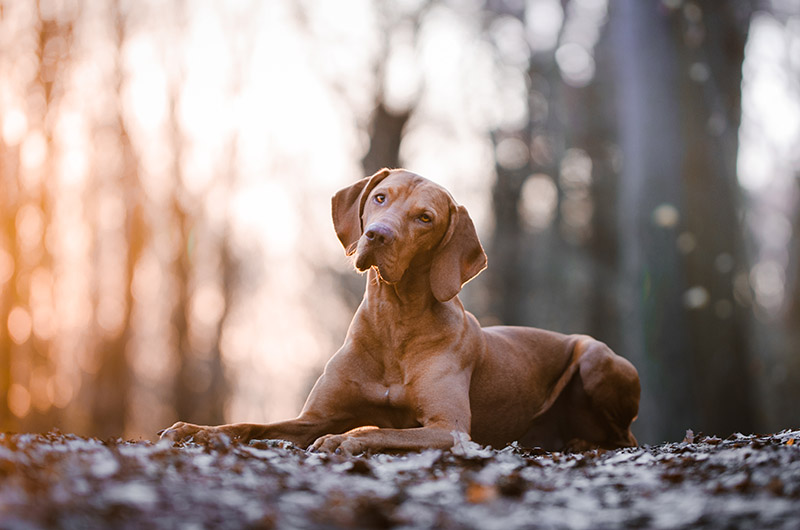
(396, 220)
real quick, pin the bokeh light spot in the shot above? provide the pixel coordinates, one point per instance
(19, 325)
(538, 202)
(19, 400)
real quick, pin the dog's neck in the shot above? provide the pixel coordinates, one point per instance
(411, 295)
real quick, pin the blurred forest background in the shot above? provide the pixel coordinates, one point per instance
(166, 168)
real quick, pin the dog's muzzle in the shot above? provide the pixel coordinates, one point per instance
(378, 237)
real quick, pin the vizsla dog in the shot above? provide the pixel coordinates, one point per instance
(416, 369)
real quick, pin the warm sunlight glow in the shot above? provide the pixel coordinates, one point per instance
(60, 390)
(15, 125)
(146, 91)
(19, 325)
(543, 19)
(19, 400)
(33, 154)
(539, 201)
(30, 226)
(767, 162)
(770, 108)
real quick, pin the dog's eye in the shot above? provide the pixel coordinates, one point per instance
(425, 218)
(380, 198)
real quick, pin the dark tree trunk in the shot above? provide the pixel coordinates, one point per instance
(710, 114)
(681, 326)
(507, 290)
(593, 125)
(655, 336)
(385, 134)
(526, 270)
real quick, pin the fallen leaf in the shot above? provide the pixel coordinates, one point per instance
(775, 486)
(478, 493)
(689, 438)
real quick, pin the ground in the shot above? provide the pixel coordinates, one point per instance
(59, 480)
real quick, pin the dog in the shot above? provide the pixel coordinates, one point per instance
(417, 371)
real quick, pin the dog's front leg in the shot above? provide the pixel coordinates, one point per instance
(300, 431)
(442, 401)
(374, 440)
(328, 409)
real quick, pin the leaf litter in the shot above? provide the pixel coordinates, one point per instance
(57, 480)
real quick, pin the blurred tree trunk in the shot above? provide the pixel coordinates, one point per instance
(385, 134)
(54, 37)
(199, 386)
(9, 297)
(113, 380)
(216, 396)
(713, 35)
(788, 343)
(593, 125)
(186, 404)
(677, 191)
(526, 272)
(388, 120)
(111, 385)
(561, 276)
(655, 335)
(39, 258)
(508, 283)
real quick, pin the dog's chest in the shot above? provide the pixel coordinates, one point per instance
(388, 406)
(383, 394)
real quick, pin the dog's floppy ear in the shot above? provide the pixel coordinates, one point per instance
(459, 258)
(348, 205)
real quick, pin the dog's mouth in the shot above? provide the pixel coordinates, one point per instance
(364, 260)
(368, 256)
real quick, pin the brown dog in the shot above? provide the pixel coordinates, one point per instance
(416, 369)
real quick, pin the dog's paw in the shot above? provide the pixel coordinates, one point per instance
(187, 432)
(344, 444)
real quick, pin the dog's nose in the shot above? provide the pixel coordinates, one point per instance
(379, 233)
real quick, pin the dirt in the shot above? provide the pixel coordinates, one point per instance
(59, 480)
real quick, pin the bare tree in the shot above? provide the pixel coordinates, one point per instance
(110, 387)
(9, 296)
(53, 41)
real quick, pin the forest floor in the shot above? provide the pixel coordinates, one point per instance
(59, 480)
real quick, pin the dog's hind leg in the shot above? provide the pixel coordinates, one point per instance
(603, 399)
